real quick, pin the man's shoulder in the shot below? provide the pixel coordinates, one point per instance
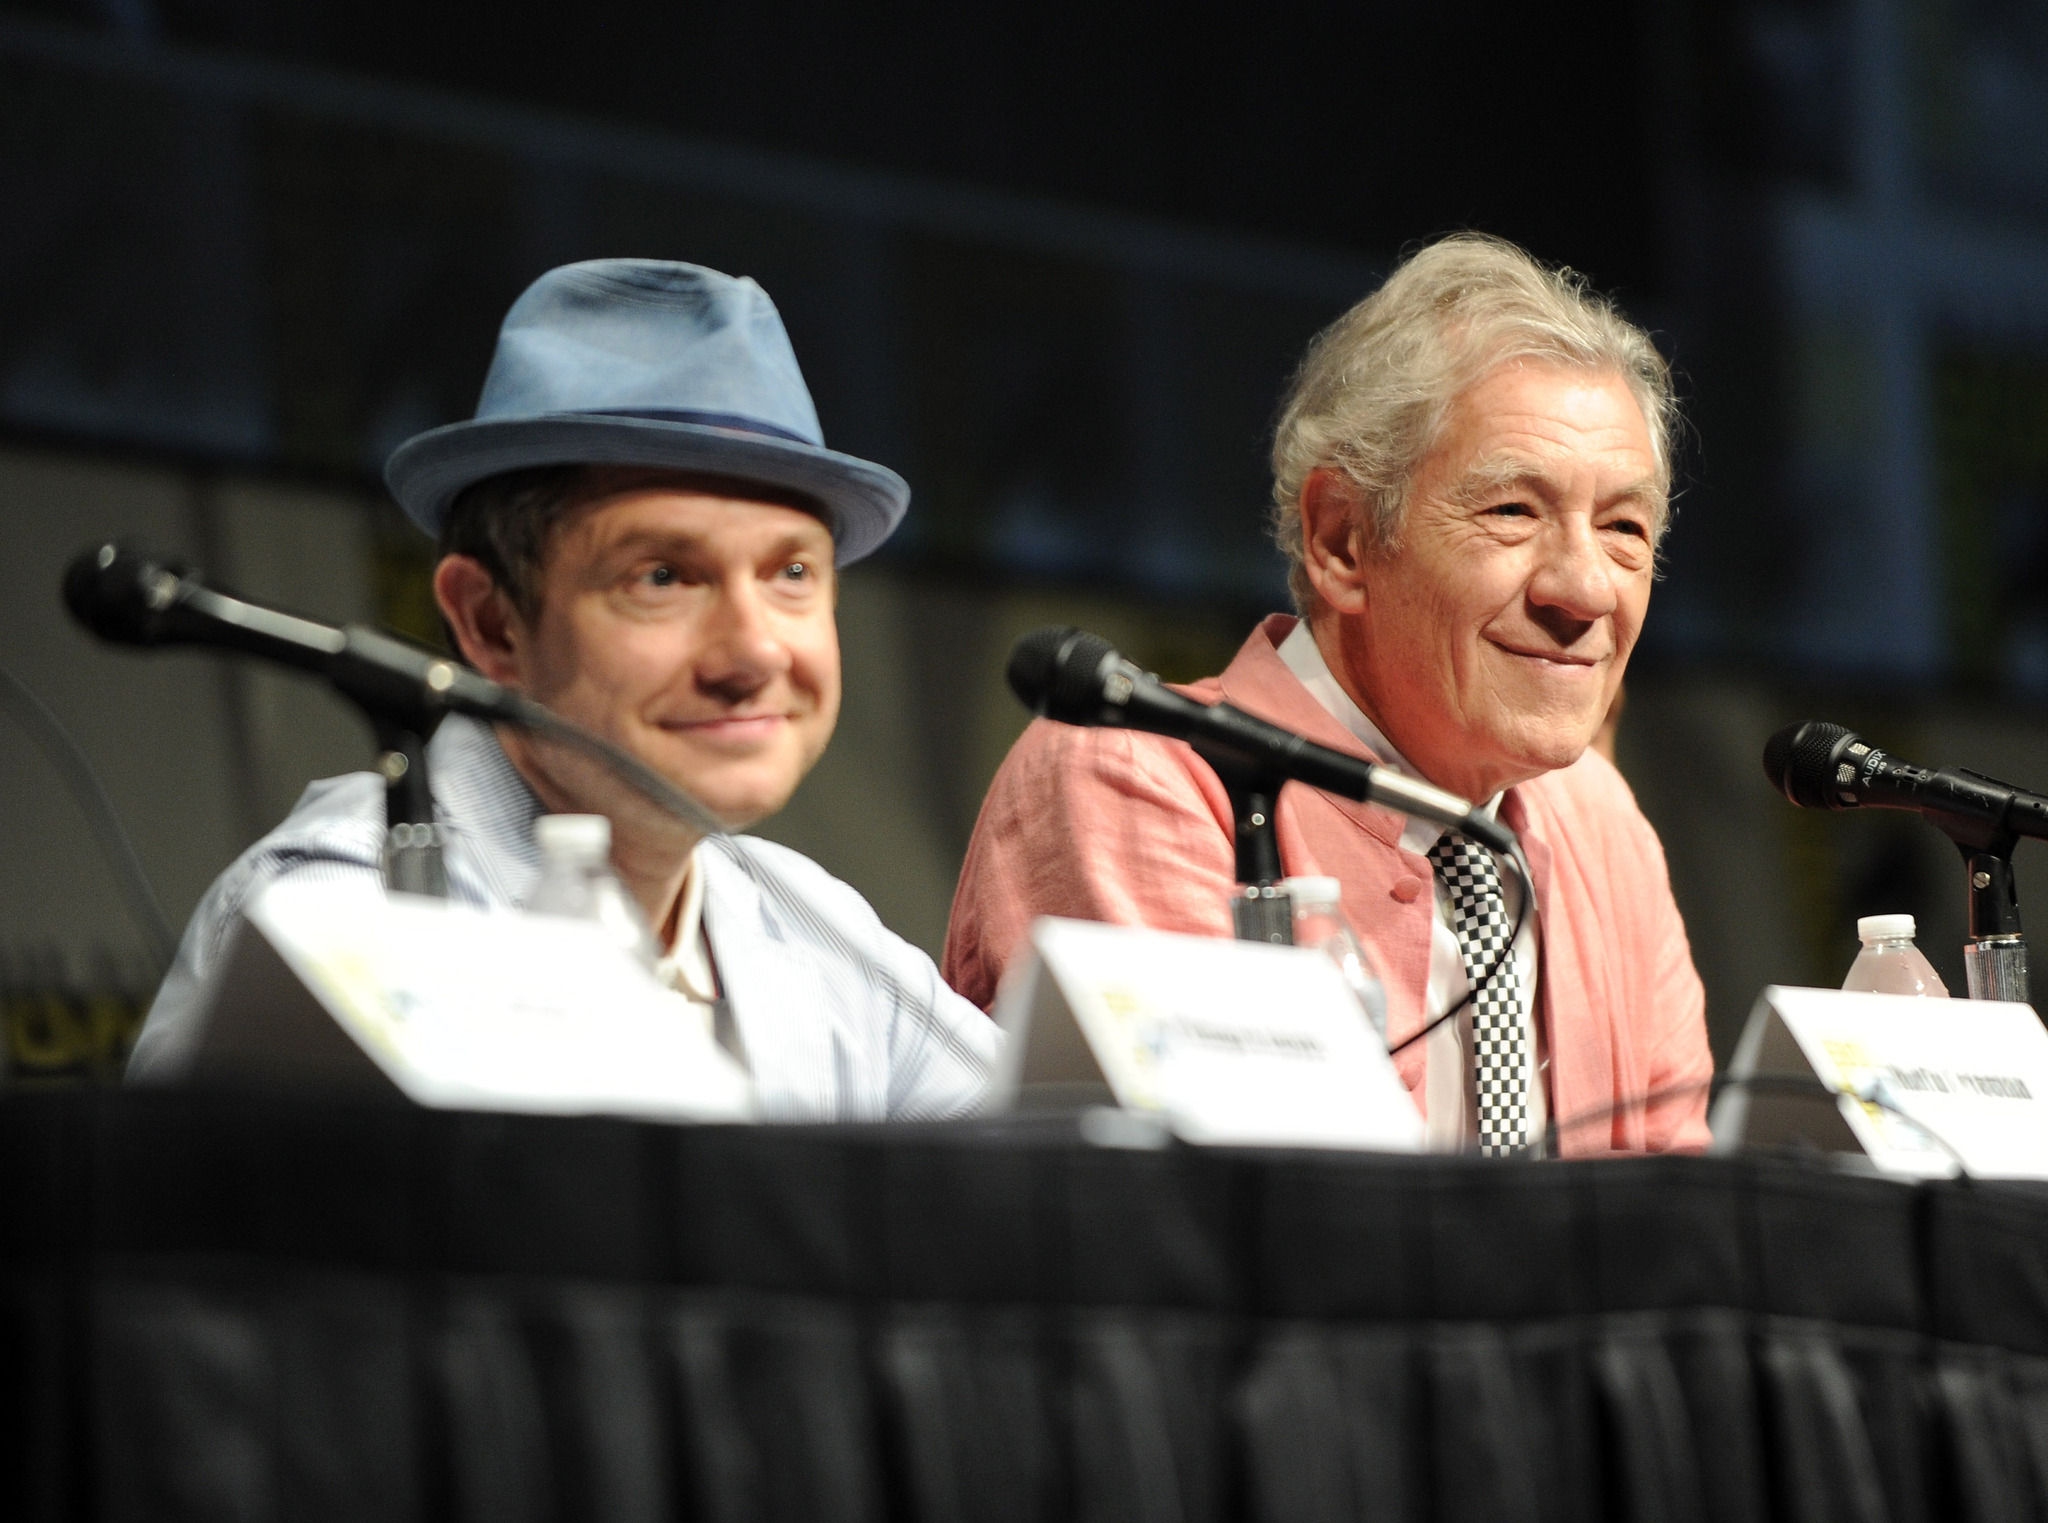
(337, 819)
(335, 832)
(1051, 758)
(341, 808)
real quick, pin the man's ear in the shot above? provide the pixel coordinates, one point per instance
(1333, 537)
(487, 627)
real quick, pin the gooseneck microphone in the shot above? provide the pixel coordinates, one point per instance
(1080, 679)
(1824, 766)
(128, 597)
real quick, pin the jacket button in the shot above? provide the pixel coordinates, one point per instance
(1407, 890)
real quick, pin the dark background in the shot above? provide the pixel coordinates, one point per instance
(1356, 126)
(1055, 262)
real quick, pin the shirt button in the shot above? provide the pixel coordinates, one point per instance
(1407, 889)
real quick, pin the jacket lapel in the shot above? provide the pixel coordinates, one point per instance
(1582, 1057)
(1259, 682)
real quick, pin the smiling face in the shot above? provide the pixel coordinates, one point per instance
(693, 628)
(1489, 643)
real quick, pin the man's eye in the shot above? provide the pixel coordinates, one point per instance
(1511, 510)
(663, 576)
(796, 571)
(1630, 527)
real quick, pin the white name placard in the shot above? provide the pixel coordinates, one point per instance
(1924, 1084)
(460, 1008)
(1230, 1041)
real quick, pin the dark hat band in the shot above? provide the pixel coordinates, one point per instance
(729, 420)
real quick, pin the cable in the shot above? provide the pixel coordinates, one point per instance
(70, 762)
(1807, 1085)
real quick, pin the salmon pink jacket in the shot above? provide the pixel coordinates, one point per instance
(1134, 829)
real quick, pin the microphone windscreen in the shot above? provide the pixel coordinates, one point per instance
(104, 590)
(1057, 672)
(1076, 696)
(1033, 660)
(1800, 761)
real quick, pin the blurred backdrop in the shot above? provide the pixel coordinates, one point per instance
(1053, 262)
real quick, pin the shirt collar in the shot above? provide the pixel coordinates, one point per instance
(686, 966)
(1304, 658)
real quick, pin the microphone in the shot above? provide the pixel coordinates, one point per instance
(1080, 679)
(128, 597)
(1824, 766)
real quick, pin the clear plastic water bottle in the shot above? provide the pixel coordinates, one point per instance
(1319, 922)
(577, 881)
(1889, 962)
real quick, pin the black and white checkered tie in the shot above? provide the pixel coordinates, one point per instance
(1500, 1059)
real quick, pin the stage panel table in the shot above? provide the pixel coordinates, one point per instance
(234, 1306)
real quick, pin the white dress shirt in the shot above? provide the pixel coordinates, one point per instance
(838, 1019)
(1447, 1089)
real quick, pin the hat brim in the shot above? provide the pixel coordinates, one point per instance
(866, 501)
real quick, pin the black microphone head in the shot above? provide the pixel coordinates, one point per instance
(120, 593)
(1033, 660)
(1800, 761)
(1057, 672)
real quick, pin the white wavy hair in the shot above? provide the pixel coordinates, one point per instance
(1375, 387)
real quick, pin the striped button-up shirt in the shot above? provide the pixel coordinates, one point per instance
(840, 1018)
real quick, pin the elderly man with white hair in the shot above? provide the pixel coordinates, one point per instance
(1471, 476)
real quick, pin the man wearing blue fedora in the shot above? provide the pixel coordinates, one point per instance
(641, 528)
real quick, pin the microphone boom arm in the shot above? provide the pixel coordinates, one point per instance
(1077, 678)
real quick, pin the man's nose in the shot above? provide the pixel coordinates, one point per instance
(1574, 580)
(743, 648)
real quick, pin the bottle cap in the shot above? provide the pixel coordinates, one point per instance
(586, 837)
(1884, 928)
(1313, 890)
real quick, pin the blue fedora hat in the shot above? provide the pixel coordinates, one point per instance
(649, 362)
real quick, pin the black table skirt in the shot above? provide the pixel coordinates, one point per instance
(232, 1307)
